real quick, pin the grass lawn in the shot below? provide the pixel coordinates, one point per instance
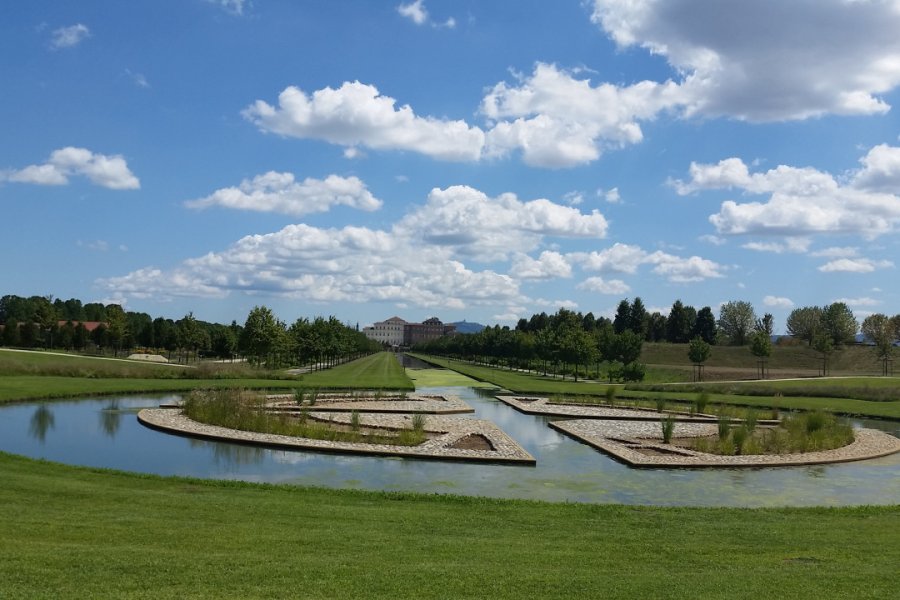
(526, 383)
(78, 532)
(376, 371)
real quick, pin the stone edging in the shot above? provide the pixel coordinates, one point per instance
(506, 450)
(412, 403)
(534, 405)
(621, 440)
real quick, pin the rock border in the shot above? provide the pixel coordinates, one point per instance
(623, 440)
(506, 450)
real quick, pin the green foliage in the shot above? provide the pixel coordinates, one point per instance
(660, 404)
(701, 402)
(839, 324)
(761, 344)
(418, 423)
(611, 395)
(354, 420)
(699, 350)
(736, 320)
(668, 426)
(724, 427)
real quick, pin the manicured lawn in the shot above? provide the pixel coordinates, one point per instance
(525, 383)
(376, 371)
(75, 532)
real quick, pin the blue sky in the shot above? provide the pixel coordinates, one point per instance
(466, 160)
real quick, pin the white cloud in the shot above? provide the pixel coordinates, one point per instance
(625, 258)
(713, 239)
(881, 170)
(556, 120)
(767, 60)
(612, 196)
(863, 301)
(69, 37)
(107, 171)
(836, 252)
(573, 198)
(855, 265)
(354, 264)
(555, 304)
(484, 228)
(96, 245)
(790, 244)
(549, 265)
(358, 115)
(418, 14)
(778, 302)
(802, 201)
(414, 11)
(281, 193)
(612, 287)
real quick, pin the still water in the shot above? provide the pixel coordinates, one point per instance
(105, 432)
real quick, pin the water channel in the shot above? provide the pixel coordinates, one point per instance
(104, 432)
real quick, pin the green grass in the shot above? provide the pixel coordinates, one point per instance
(78, 532)
(442, 378)
(376, 371)
(524, 383)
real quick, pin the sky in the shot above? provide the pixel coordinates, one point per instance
(466, 159)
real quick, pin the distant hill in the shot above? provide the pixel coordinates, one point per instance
(466, 327)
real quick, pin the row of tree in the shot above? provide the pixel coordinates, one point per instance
(42, 322)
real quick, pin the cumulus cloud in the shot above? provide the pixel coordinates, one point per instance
(549, 265)
(625, 258)
(69, 37)
(778, 302)
(106, 171)
(281, 193)
(801, 201)
(356, 114)
(418, 261)
(484, 228)
(768, 60)
(355, 264)
(880, 171)
(855, 265)
(612, 287)
(836, 252)
(556, 120)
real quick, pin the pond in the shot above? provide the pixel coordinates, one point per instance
(104, 432)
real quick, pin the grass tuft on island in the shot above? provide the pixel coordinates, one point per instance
(804, 432)
(236, 409)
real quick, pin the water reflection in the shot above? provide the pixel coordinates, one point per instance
(41, 422)
(111, 418)
(104, 433)
(231, 455)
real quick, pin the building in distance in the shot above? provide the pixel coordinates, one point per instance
(397, 333)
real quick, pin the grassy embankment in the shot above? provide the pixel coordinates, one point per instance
(33, 375)
(795, 395)
(79, 532)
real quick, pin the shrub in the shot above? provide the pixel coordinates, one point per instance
(610, 395)
(702, 401)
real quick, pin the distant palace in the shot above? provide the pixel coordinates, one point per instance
(396, 332)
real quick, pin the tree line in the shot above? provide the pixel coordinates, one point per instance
(48, 323)
(572, 343)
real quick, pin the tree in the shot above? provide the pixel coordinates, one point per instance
(839, 324)
(679, 323)
(823, 345)
(698, 352)
(736, 320)
(622, 320)
(804, 323)
(11, 333)
(705, 325)
(879, 329)
(766, 325)
(761, 348)
(638, 317)
(117, 326)
(261, 333)
(656, 328)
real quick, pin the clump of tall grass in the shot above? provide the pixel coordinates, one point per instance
(701, 402)
(724, 424)
(660, 404)
(354, 420)
(235, 409)
(611, 395)
(668, 426)
(803, 432)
